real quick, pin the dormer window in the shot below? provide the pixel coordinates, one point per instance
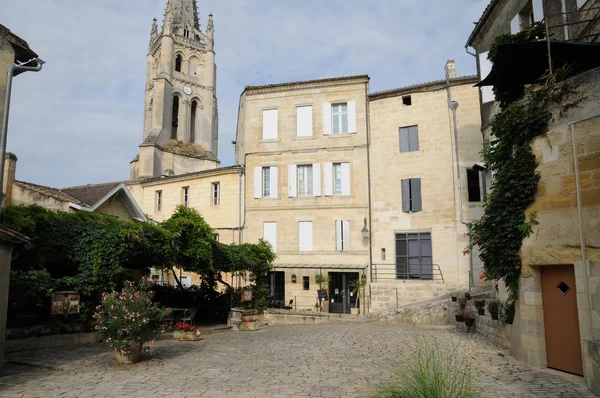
(178, 60)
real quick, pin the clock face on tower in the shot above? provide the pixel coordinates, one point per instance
(187, 90)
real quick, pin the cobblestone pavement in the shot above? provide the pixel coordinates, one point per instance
(330, 360)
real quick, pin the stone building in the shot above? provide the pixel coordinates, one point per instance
(418, 221)
(557, 322)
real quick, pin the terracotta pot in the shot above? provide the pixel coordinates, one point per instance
(132, 356)
(469, 321)
(481, 311)
(186, 336)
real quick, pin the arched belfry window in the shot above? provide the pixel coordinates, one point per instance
(175, 118)
(178, 61)
(193, 121)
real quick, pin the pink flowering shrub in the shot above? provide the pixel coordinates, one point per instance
(125, 319)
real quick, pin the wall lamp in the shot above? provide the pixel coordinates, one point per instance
(365, 231)
(294, 279)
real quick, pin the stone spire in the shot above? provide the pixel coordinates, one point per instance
(210, 30)
(153, 32)
(185, 13)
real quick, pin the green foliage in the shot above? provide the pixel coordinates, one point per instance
(125, 318)
(322, 279)
(479, 304)
(506, 311)
(493, 306)
(431, 370)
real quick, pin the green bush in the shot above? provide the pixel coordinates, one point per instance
(506, 312)
(493, 306)
(432, 370)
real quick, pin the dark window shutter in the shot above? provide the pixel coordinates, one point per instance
(413, 133)
(415, 194)
(473, 185)
(405, 195)
(404, 140)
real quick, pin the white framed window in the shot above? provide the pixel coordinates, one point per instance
(185, 193)
(337, 179)
(269, 124)
(270, 234)
(304, 124)
(305, 236)
(339, 114)
(305, 180)
(216, 193)
(158, 201)
(342, 235)
(265, 182)
(186, 281)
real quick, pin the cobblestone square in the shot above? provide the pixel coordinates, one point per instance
(331, 360)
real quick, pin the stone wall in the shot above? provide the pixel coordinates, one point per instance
(432, 312)
(386, 296)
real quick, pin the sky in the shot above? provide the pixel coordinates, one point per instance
(79, 120)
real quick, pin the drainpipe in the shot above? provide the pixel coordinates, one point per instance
(240, 206)
(453, 105)
(369, 185)
(580, 222)
(12, 71)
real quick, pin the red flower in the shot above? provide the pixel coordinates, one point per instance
(193, 327)
(186, 326)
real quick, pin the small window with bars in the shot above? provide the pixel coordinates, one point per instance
(306, 283)
(158, 201)
(186, 196)
(216, 193)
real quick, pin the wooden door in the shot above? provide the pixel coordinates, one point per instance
(561, 322)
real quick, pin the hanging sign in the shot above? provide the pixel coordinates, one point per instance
(246, 295)
(65, 303)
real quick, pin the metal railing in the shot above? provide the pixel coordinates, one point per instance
(388, 272)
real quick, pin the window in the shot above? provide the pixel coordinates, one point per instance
(266, 182)
(216, 193)
(337, 179)
(178, 60)
(175, 118)
(339, 114)
(186, 281)
(306, 283)
(342, 235)
(409, 139)
(411, 195)
(269, 124)
(413, 256)
(473, 185)
(158, 200)
(407, 100)
(216, 237)
(305, 180)
(270, 234)
(193, 122)
(186, 196)
(305, 236)
(157, 279)
(304, 127)
(382, 254)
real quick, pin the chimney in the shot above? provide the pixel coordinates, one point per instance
(10, 168)
(450, 69)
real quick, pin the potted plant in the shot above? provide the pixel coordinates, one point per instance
(480, 305)
(124, 320)
(185, 332)
(506, 312)
(323, 279)
(453, 297)
(248, 324)
(468, 295)
(460, 315)
(493, 307)
(469, 317)
(357, 287)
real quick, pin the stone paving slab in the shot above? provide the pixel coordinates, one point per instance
(328, 360)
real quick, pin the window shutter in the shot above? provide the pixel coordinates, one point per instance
(316, 169)
(304, 121)
(338, 235)
(405, 195)
(404, 142)
(485, 67)
(270, 234)
(413, 132)
(415, 194)
(257, 182)
(328, 178)
(346, 235)
(352, 116)
(292, 180)
(327, 118)
(538, 10)
(269, 124)
(305, 236)
(273, 182)
(346, 179)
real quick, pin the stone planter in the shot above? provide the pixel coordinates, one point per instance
(248, 326)
(234, 319)
(132, 356)
(354, 311)
(186, 336)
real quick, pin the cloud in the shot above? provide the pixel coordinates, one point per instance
(80, 119)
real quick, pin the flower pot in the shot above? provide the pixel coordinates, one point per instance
(129, 356)
(453, 299)
(468, 296)
(494, 315)
(354, 311)
(481, 311)
(459, 318)
(186, 336)
(469, 322)
(248, 326)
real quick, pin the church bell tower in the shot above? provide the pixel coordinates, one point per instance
(180, 113)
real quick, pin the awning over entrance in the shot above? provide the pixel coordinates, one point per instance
(526, 62)
(321, 266)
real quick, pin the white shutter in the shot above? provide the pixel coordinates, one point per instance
(346, 234)
(515, 25)
(346, 179)
(304, 127)
(328, 178)
(338, 235)
(270, 234)
(485, 67)
(327, 118)
(352, 116)
(292, 180)
(257, 182)
(273, 182)
(538, 10)
(305, 236)
(269, 124)
(316, 169)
